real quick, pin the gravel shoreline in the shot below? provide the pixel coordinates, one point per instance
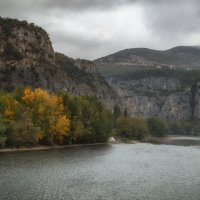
(38, 148)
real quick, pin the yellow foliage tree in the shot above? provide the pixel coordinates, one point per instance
(10, 110)
(48, 111)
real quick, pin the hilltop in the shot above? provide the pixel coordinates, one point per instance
(129, 60)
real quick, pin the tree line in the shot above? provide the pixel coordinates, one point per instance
(30, 117)
(140, 129)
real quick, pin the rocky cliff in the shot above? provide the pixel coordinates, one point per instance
(171, 96)
(146, 82)
(155, 83)
(27, 58)
(81, 78)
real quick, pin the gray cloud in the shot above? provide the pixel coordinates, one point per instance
(94, 28)
(84, 4)
(179, 16)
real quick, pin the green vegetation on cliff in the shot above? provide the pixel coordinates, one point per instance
(9, 24)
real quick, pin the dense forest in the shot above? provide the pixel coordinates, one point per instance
(29, 117)
(35, 117)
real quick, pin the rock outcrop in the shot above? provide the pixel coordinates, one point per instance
(81, 78)
(27, 58)
(86, 65)
(23, 44)
(157, 96)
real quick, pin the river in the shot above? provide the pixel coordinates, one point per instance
(111, 172)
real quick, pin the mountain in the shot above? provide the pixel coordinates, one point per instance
(154, 83)
(27, 58)
(129, 60)
(146, 82)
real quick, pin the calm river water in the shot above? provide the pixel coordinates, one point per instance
(120, 171)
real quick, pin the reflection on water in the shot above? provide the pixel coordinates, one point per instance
(123, 171)
(177, 140)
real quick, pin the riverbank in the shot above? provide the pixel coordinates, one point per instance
(39, 148)
(169, 139)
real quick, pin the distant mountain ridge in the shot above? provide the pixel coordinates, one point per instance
(180, 57)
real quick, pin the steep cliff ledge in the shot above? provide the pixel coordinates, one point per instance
(27, 58)
(165, 93)
(24, 44)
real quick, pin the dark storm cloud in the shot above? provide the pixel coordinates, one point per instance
(93, 28)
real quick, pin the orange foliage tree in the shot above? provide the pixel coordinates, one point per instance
(48, 114)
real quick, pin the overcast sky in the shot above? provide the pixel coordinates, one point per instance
(95, 28)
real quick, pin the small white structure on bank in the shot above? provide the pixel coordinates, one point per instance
(112, 139)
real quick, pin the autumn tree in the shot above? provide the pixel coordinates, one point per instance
(48, 114)
(33, 116)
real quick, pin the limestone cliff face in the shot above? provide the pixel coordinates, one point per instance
(26, 55)
(165, 97)
(196, 101)
(24, 45)
(27, 58)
